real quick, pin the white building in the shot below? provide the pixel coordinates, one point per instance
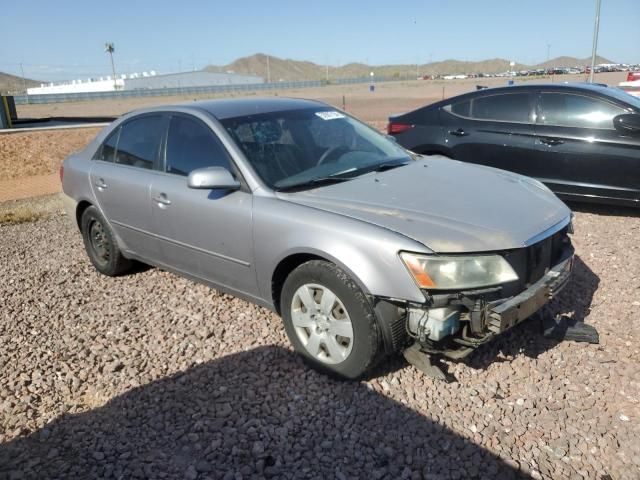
(145, 81)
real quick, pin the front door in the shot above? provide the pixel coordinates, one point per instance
(577, 141)
(205, 233)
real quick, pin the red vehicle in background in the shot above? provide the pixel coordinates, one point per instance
(633, 76)
(632, 85)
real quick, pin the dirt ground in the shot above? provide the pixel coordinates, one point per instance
(41, 153)
(387, 99)
(38, 153)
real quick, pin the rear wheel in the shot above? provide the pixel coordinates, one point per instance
(329, 320)
(100, 244)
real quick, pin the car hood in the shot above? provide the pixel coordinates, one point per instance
(447, 205)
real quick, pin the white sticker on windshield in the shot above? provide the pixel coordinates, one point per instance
(329, 115)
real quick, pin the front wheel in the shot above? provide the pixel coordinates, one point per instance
(329, 320)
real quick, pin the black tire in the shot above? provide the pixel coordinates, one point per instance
(100, 244)
(367, 348)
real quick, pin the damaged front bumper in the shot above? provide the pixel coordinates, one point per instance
(516, 309)
(483, 318)
(455, 324)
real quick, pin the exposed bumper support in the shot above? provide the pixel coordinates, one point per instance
(522, 306)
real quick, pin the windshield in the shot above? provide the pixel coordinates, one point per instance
(302, 147)
(620, 94)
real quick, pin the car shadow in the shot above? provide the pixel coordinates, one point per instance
(259, 413)
(605, 210)
(573, 302)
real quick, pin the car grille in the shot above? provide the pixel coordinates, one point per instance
(531, 263)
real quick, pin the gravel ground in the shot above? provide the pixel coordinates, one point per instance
(151, 375)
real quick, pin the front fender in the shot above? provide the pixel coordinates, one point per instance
(367, 252)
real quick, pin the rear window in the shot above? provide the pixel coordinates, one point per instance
(508, 107)
(107, 150)
(461, 108)
(140, 141)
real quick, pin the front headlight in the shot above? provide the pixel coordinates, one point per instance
(458, 272)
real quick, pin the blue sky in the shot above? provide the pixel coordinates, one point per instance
(65, 38)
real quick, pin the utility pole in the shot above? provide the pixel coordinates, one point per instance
(268, 71)
(109, 48)
(24, 82)
(548, 52)
(594, 49)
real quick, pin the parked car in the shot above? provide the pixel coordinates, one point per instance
(581, 140)
(362, 247)
(632, 85)
(633, 76)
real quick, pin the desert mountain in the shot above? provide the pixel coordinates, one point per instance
(280, 69)
(11, 83)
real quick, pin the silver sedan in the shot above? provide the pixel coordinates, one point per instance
(362, 247)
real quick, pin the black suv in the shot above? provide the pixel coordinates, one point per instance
(581, 140)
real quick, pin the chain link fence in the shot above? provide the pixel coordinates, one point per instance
(159, 92)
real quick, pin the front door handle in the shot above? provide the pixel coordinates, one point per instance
(458, 133)
(551, 141)
(100, 185)
(162, 200)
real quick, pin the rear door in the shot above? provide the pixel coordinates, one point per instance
(581, 149)
(204, 233)
(493, 129)
(120, 177)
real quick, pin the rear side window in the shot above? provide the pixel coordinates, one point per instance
(461, 108)
(509, 107)
(139, 142)
(192, 145)
(569, 110)
(107, 151)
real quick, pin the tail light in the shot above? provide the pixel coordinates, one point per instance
(633, 76)
(395, 128)
(61, 173)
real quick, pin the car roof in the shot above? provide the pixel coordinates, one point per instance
(597, 88)
(238, 107)
(573, 86)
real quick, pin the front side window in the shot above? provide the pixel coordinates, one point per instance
(139, 141)
(298, 147)
(192, 145)
(569, 110)
(508, 107)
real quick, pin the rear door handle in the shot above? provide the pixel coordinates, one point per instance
(551, 141)
(100, 185)
(458, 133)
(162, 200)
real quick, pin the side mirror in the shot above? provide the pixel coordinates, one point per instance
(211, 178)
(627, 123)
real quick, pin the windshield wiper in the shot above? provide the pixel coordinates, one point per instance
(342, 176)
(380, 167)
(383, 167)
(314, 182)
